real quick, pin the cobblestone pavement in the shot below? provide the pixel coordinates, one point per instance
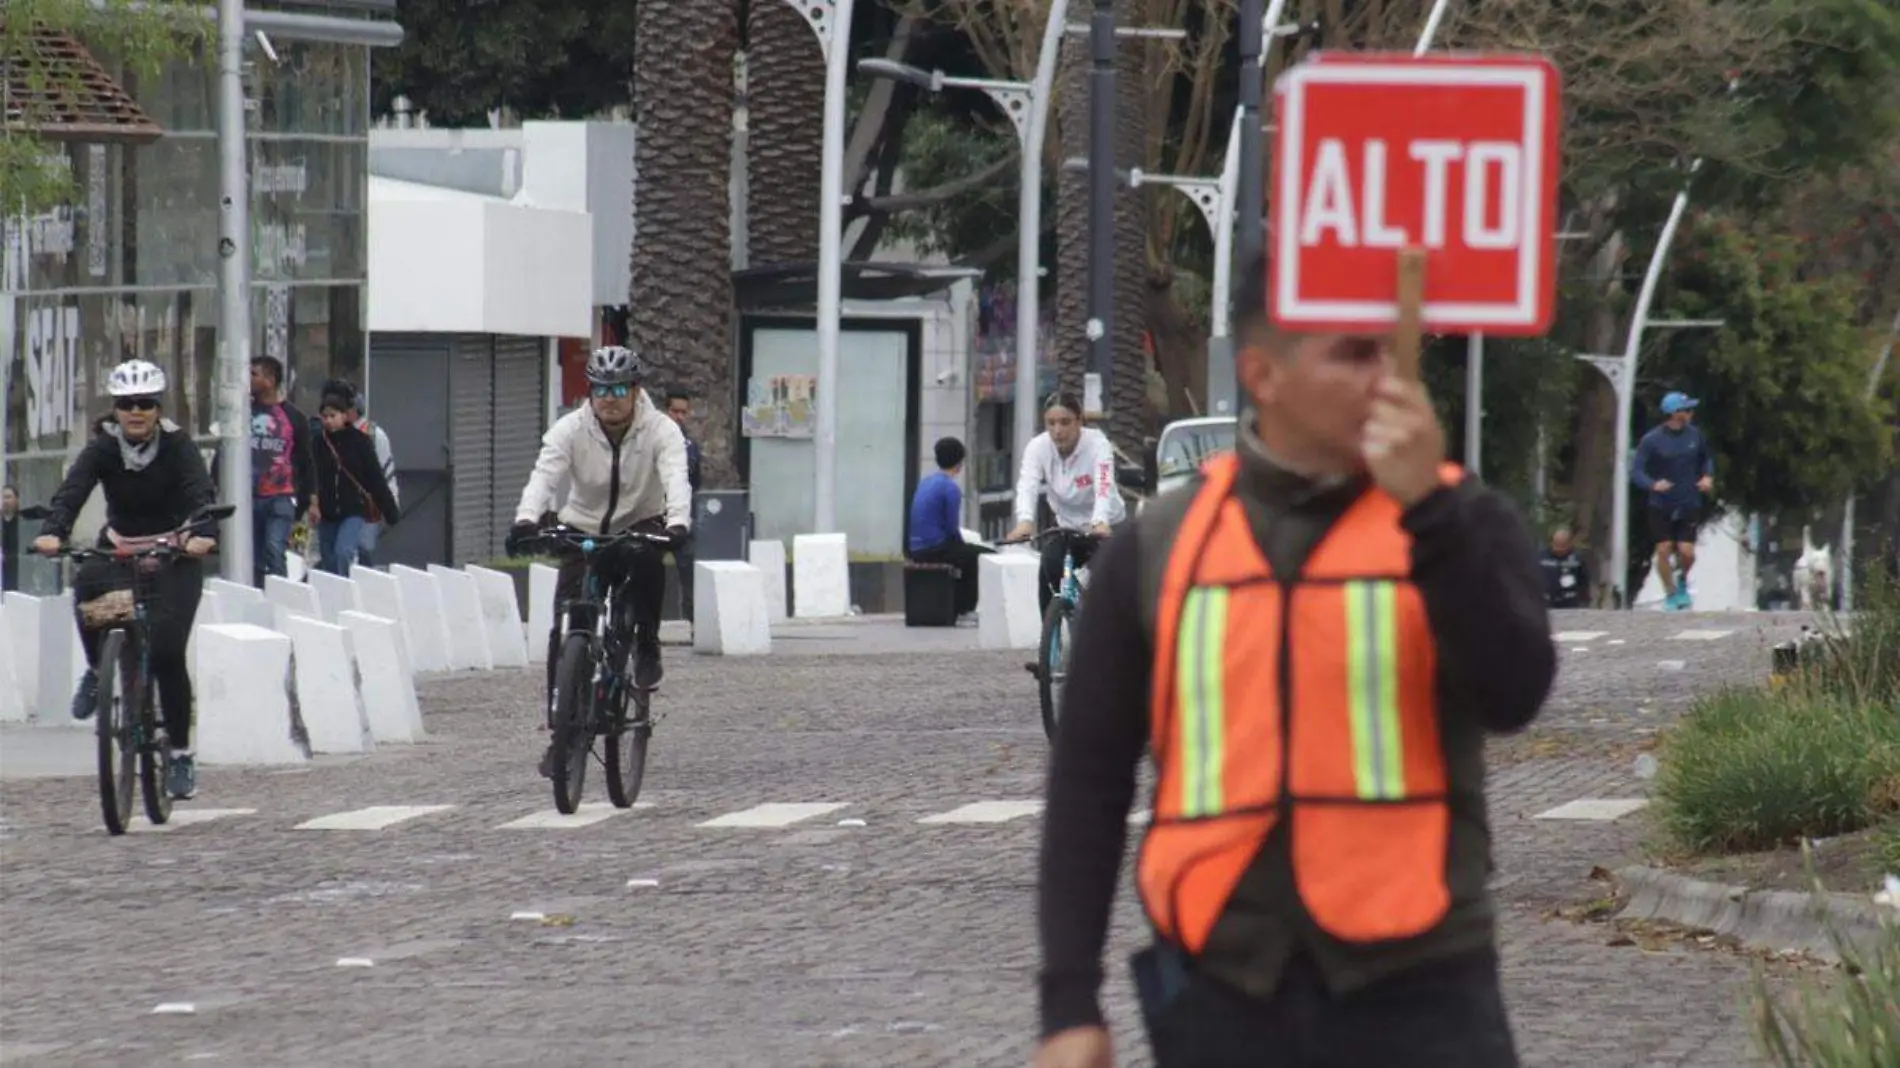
(855, 935)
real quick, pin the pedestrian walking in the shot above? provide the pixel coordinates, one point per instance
(281, 468)
(9, 539)
(351, 493)
(1312, 637)
(679, 405)
(1674, 466)
(1566, 572)
(385, 457)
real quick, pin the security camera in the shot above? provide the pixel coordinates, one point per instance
(944, 378)
(263, 40)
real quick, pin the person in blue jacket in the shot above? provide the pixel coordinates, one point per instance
(936, 524)
(1674, 466)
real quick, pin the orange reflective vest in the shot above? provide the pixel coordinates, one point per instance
(1310, 698)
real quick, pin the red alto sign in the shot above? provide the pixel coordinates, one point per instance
(1458, 155)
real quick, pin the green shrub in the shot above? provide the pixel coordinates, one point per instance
(1859, 656)
(1753, 769)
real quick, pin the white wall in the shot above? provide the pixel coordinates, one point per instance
(443, 261)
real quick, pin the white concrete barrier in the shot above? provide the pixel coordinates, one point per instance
(242, 604)
(210, 610)
(327, 700)
(541, 580)
(1008, 613)
(501, 617)
(12, 694)
(729, 614)
(466, 629)
(21, 633)
(769, 557)
(289, 598)
(243, 691)
(335, 594)
(384, 678)
(296, 568)
(821, 576)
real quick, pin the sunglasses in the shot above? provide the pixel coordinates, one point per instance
(135, 404)
(620, 391)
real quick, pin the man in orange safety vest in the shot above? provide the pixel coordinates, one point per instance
(1312, 638)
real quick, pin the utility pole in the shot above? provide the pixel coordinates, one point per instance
(1101, 208)
(234, 292)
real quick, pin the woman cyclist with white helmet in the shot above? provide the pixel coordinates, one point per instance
(154, 480)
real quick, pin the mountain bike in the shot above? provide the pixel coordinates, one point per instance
(592, 684)
(130, 734)
(1052, 651)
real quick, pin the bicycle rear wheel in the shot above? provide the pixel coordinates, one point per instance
(573, 727)
(627, 755)
(1053, 656)
(155, 761)
(112, 725)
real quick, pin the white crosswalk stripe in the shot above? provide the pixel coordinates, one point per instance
(589, 813)
(986, 812)
(373, 818)
(1700, 635)
(773, 814)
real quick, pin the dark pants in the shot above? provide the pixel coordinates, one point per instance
(963, 556)
(271, 521)
(639, 583)
(1445, 1015)
(1052, 550)
(683, 570)
(173, 605)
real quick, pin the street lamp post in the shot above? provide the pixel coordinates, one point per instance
(1101, 320)
(1027, 106)
(234, 291)
(831, 21)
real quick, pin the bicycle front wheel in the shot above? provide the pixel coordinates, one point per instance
(573, 722)
(1053, 656)
(155, 761)
(627, 755)
(112, 724)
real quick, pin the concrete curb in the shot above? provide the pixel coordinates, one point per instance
(1776, 920)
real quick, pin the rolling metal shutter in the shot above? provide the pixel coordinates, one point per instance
(519, 417)
(472, 537)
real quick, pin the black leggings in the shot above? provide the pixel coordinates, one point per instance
(176, 590)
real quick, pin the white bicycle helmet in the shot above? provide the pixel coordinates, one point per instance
(615, 365)
(136, 378)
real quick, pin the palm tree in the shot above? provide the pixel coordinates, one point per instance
(785, 99)
(681, 292)
(1128, 402)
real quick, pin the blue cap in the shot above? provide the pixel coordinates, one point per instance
(1678, 402)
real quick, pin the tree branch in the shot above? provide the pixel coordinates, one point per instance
(926, 198)
(1002, 248)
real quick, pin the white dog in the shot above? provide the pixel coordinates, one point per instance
(1814, 576)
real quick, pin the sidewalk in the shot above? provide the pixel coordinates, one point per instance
(853, 635)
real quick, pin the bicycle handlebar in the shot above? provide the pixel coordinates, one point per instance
(166, 546)
(562, 535)
(1053, 532)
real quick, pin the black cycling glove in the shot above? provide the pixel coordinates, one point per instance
(678, 533)
(521, 532)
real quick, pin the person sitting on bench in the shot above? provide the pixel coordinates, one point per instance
(936, 524)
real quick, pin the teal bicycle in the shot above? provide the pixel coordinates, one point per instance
(1052, 651)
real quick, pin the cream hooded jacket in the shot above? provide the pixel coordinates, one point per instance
(609, 489)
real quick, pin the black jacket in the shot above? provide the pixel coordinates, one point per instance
(346, 460)
(155, 500)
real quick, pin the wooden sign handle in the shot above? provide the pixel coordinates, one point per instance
(1408, 337)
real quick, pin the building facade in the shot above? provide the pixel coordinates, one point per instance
(129, 267)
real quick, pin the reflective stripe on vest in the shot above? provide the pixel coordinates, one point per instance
(1311, 695)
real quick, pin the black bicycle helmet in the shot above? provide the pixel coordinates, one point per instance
(615, 365)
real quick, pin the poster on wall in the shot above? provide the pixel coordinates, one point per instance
(780, 406)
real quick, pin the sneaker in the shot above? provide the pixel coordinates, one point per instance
(183, 780)
(86, 697)
(647, 669)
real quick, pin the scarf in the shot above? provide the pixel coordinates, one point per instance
(138, 455)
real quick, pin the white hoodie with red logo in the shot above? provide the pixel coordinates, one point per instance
(1080, 486)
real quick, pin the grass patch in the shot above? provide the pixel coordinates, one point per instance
(1751, 769)
(1847, 1020)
